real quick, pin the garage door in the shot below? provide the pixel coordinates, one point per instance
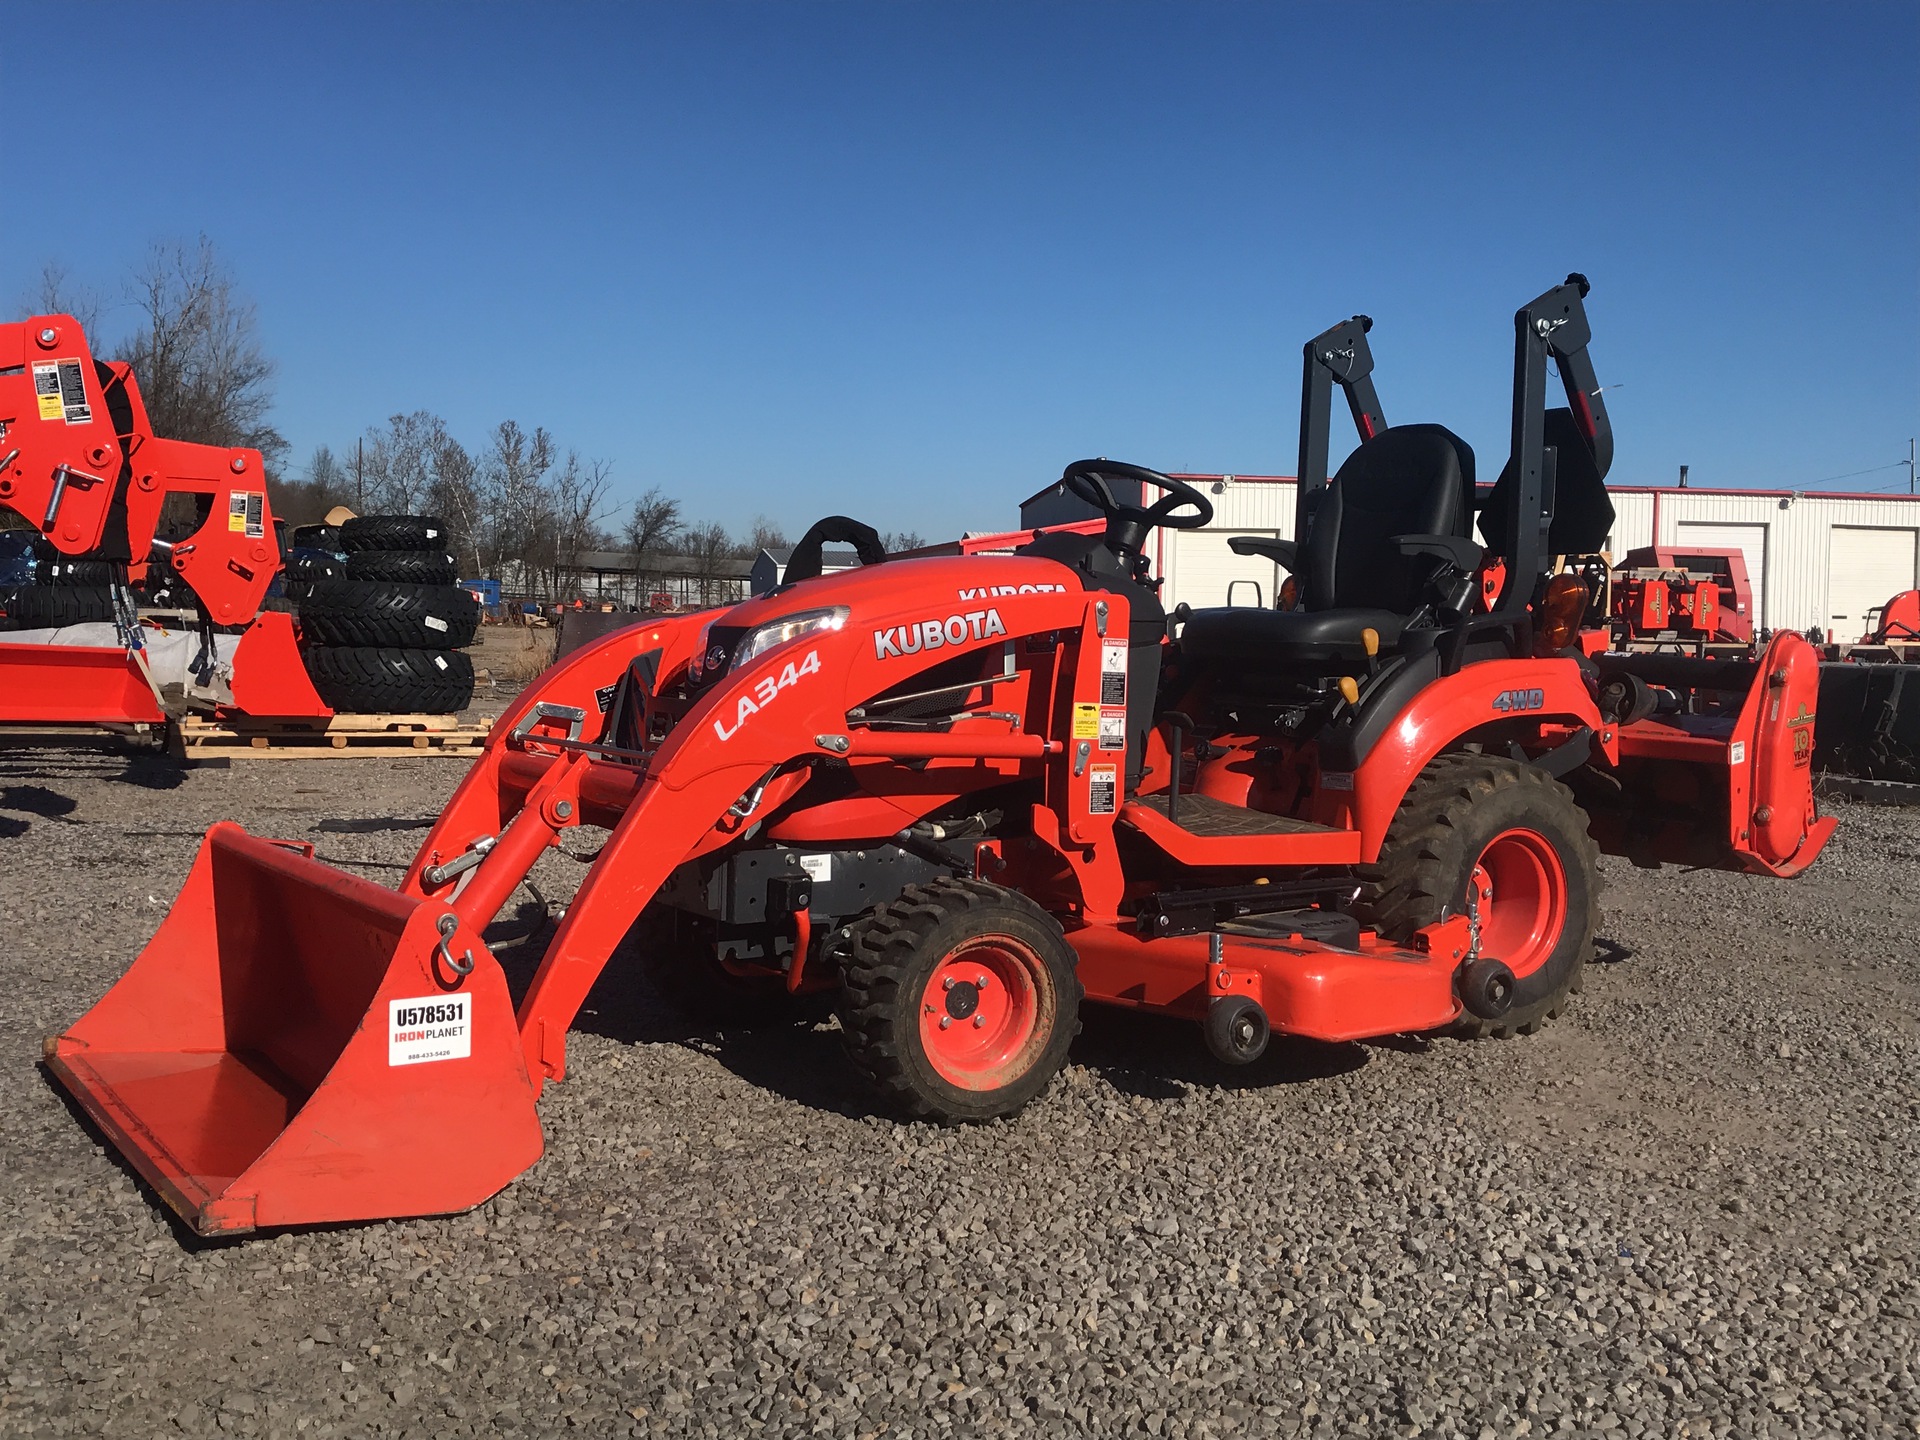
(1201, 568)
(1749, 540)
(1866, 565)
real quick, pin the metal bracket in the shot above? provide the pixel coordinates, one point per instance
(1100, 618)
(1080, 753)
(838, 744)
(574, 715)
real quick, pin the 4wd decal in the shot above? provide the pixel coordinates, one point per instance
(1511, 700)
(764, 691)
(994, 592)
(911, 639)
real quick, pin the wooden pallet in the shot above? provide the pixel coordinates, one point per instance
(341, 737)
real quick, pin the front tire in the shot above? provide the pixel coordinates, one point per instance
(959, 1000)
(1512, 835)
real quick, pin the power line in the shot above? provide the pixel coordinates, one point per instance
(1873, 470)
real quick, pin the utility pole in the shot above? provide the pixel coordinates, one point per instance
(1910, 489)
(360, 473)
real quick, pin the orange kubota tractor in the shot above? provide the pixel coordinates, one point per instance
(962, 794)
(80, 461)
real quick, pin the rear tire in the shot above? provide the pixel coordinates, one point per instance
(383, 612)
(393, 532)
(1517, 834)
(365, 680)
(917, 960)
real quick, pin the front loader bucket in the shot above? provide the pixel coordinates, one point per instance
(290, 1050)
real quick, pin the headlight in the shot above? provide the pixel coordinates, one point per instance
(792, 627)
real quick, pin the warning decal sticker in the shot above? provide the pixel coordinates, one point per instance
(46, 389)
(247, 513)
(1113, 729)
(1104, 797)
(1086, 721)
(432, 1027)
(1113, 673)
(61, 388)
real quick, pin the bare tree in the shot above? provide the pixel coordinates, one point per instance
(710, 548)
(894, 541)
(578, 504)
(519, 520)
(55, 294)
(306, 502)
(766, 535)
(400, 461)
(458, 496)
(196, 356)
(653, 524)
(651, 527)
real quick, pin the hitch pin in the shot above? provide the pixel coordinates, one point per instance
(61, 475)
(434, 876)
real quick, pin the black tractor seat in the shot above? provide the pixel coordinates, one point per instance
(1244, 636)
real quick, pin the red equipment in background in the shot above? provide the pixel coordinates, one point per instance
(1664, 595)
(80, 461)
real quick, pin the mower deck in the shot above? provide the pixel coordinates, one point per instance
(1307, 988)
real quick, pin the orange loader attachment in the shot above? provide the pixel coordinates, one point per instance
(278, 1053)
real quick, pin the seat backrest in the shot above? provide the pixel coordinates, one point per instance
(1407, 480)
(1582, 509)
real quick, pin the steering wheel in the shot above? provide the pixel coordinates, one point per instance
(1128, 525)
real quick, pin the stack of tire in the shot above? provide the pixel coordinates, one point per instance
(383, 634)
(65, 591)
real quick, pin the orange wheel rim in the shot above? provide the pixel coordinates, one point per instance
(985, 1013)
(1520, 887)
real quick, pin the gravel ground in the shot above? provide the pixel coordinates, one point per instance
(1685, 1209)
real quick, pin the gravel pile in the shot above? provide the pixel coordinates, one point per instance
(1686, 1209)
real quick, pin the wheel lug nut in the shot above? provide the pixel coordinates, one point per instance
(945, 1021)
(978, 1021)
(947, 984)
(981, 983)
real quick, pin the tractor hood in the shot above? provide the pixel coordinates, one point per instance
(908, 606)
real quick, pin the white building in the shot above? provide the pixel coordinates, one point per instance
(1820, 558)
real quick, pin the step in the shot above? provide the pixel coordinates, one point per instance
(1207, 831)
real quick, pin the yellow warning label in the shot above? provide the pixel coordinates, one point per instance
(50, 408)
(1086, 722)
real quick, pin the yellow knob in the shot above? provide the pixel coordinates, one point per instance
(1350, 689)
(1370, 641)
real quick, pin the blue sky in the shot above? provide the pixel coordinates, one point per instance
(905, 261)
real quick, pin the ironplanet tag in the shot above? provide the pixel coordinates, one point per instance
(932, 634)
